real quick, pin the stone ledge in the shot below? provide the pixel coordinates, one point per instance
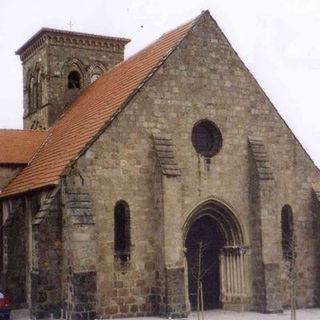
(48, 205)
(260, 157)
(165, 155)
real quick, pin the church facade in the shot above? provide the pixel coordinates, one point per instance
(135, 181)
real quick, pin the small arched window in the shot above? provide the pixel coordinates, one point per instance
(74, 80)
(94, 77)
(288, 245)
(95, 71)
(122, 231)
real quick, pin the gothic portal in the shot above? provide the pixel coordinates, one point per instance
(215, 255)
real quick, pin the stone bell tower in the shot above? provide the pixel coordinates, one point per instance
(57, 66)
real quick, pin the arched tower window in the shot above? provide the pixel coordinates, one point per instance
(288, 246)
(74, 81)
(31, 94)
(122, 231)
(95, 71)
(38, 89)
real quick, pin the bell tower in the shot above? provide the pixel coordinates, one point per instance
(57, 66)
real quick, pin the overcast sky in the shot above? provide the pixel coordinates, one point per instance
(277, 39)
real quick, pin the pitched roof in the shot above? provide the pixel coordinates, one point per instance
(18, 146)
(95, 108)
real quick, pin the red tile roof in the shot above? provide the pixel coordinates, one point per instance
(95, 108)
(18, 146)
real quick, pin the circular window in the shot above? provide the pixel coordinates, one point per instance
(206, 138)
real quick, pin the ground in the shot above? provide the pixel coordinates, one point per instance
(305, 314)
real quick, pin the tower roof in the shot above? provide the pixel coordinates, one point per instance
(50, 35)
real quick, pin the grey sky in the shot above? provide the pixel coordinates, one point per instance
(277, 39)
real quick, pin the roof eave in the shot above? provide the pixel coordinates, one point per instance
(4, 195)
(18, 163)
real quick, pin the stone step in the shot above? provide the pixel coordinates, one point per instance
(20, 314)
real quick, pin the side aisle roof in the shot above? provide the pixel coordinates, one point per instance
(18, 146)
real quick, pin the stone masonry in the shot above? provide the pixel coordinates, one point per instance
(65, 256)
(202, 79)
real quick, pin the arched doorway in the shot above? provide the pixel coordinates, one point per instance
(203, 244)
(215, 256)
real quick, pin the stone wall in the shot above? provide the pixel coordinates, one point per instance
(202, 79)
(6, 173)
(15, 253)
(46, 271)
(79, 248)
(32, 255)
(174, 304)
(36, 62)
(130, 288)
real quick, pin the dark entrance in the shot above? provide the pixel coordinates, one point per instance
(204, 233)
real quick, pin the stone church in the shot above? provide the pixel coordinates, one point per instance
(134, 181)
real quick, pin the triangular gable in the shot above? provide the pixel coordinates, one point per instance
(85, 120)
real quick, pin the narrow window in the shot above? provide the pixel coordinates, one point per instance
(31, 94)
(38, 88)
(122, 231)
(74, 80)
(288, 246)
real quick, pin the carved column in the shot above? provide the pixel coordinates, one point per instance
(234, 277)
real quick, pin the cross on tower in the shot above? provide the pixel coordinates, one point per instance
(70, 24)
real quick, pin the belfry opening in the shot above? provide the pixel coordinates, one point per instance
(216, 258)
